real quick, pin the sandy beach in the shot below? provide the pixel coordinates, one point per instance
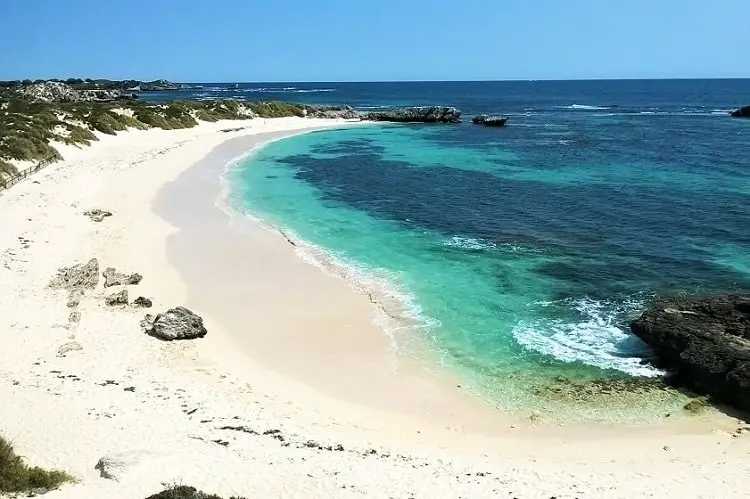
(294, 392)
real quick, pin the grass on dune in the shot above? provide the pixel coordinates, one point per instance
(18, 477)
(27, 128)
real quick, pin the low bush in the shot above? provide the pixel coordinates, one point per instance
(16, 476)
(185, 492)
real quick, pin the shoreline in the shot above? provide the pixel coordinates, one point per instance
(204, 413)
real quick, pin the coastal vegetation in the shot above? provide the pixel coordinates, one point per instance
(16, 476)
(185, 492)
(29, 128)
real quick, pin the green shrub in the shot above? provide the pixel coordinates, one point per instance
(276, 109)
(79, 135)
(7, 169)
(17, 476)
(184, 492)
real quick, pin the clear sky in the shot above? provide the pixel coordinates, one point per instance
(369, 40)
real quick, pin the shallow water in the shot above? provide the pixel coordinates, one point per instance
(520, 254)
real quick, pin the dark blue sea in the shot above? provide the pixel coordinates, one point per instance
(518, 254)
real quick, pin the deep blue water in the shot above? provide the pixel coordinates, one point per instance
(520, 253)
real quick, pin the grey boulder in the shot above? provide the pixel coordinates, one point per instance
(80, 276)
(175, 324)
(114, 278)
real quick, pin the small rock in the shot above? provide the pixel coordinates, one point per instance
(175, 324)
(120, 298)
(75, 316)
(70, 346)
(114, 278)
(74, 298)
(129, 389)
(79, 276)
(97, 215)
(667, 448)
(142, 302)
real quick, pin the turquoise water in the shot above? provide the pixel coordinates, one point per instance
(517, 257)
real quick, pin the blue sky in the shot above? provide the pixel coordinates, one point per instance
(364, 40)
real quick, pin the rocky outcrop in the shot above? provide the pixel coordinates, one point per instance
(55, 91)
(331, 112)
(743, 112)
(97, 215)
(414, 115)
(487, 120)
(114, 278)
(142, 302)
(174, 324)
(120, 298)
(77, 277)
(706, 339)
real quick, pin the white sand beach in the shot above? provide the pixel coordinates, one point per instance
(293, 392)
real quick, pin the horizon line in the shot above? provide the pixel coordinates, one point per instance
(403, 81)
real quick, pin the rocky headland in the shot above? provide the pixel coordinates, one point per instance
(419, 114)
(705, 340)
(743, 112)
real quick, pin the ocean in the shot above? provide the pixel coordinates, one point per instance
(515, 257)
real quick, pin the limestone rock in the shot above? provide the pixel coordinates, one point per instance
(114, 278)
(97, 215)
(120, 298)
(74, 316)
(74, 297)
(175, 324)
(706, 339)
(331, 112)
(71, 346)
(487, 120)
(743, 112)
(142, 302)
(433, 114)
(77, 277)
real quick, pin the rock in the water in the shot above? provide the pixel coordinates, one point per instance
(97, 215)
(142, 302)
(706, 339)
(743, 112)
(71, 346)
(487, 120)
(174, 324)
(114, 278)
(79, 276)
(432, 114)
(74, 297)
(120, 298)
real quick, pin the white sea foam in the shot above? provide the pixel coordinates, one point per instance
(596, 339)
(469, 243)
(586, 108)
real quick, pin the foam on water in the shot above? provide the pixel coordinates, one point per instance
(584, 107)
(595, 338)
